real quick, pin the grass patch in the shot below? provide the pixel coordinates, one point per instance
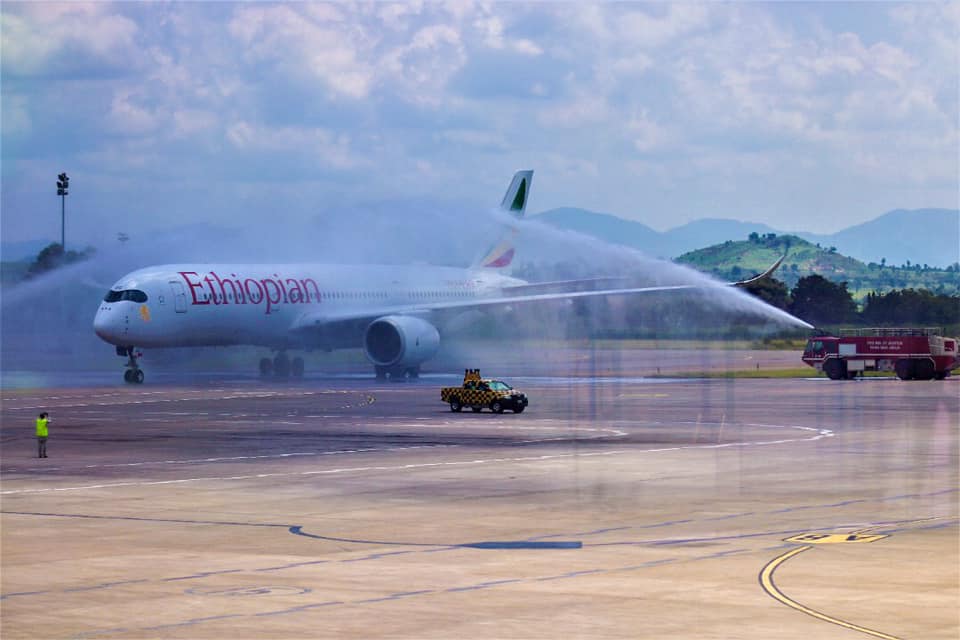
(804, 372)
(800, 372)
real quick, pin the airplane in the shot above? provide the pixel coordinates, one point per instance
(392, 312)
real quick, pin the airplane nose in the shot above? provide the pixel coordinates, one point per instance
(106, 326)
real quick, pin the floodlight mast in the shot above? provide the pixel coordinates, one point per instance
(63, 183)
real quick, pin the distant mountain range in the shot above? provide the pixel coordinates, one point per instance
(922, 236)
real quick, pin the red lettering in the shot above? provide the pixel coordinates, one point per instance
(241, 297)
(283, 289)
(254, 299)
(296, 293)
(223, 290)
(306, 290)
(212, 289)
(269, 295)
(193, 286)
(213, 293)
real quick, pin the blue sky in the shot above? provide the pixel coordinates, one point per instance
(806, 116)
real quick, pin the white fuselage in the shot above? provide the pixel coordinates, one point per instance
(180, 305)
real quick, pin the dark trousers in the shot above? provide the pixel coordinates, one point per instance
(41, 447)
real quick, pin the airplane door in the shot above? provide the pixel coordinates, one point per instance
(179, 296)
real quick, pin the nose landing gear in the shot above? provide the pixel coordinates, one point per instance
(133, 374)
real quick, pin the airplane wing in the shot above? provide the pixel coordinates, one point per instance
(756, 278)
(319, 317)
(581, 284)
(514, 295)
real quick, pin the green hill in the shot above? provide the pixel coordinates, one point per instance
(736, 260)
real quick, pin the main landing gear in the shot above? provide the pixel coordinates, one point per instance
(397, 374)
(281, 366)
(133, 374)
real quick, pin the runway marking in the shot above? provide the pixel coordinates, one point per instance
(770, 587)
(834, 538)
(232, 458)
(113, 399)
(463, 588)
(820, 433)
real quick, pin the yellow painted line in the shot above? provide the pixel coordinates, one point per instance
(766, 581)
(834, 538)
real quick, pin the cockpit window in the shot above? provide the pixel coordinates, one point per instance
(133, 295)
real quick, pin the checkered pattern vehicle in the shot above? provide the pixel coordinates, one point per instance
(476, 394)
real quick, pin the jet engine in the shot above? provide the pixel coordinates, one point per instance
(398, 343)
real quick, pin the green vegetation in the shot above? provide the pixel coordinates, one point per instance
(53, 257)
(827, 287)
(737, 260)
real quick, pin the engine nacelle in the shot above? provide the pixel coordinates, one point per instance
(400, 341)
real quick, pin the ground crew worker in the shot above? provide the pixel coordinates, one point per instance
(42, 433)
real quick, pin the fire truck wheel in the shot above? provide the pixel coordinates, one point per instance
(455, 405)
(835, 369)
(923, 370)
(904, 369)
(496, 407)
(476, 409)
(940, 375)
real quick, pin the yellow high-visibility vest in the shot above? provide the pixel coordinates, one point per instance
(41, 427)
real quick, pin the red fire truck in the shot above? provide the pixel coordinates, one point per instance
(913, 354)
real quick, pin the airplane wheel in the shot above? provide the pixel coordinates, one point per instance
(281, 365)
(128, 376)
(266, 366)
(138, 376)
(296, 367)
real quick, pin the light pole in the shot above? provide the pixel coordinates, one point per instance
(63, 183)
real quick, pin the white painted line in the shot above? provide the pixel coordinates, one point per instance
(820, 433)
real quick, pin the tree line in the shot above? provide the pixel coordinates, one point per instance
(820, 301)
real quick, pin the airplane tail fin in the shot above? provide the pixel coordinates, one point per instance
(515, 199)
(515, 203)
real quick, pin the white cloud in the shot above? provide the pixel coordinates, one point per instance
(315, 42)
(325, 148)
(647, 135)
(62, 38)
(684, 100)
(191, 122)
(16, 116)
(127, 117)
(649, 31)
